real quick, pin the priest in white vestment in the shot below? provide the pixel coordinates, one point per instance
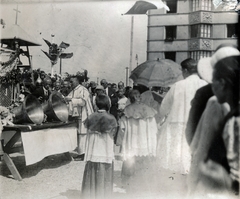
(80, 107)
(173, 152)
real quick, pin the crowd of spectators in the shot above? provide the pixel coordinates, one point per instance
(191, 128)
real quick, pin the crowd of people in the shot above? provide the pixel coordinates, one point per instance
(193, 130)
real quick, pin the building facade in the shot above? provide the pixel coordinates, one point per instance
(192, 28)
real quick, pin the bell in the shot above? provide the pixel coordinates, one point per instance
(30, 111)
(56, 108)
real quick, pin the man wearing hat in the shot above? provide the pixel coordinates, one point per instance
(99, 90)
(206, 141)
(203, 94)
(44, 91)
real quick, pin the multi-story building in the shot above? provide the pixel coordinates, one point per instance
(192, 28)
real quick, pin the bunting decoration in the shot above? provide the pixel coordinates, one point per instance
(8, 66)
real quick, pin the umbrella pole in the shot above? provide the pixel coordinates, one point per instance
(131, 49)
(127, 76)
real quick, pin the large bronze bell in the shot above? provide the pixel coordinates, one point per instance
(56, 108)
(30, 111)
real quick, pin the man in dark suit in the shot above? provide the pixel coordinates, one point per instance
(198, 105)
(44, 91)
(113, 97)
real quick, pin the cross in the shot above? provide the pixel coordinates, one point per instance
(17, 11)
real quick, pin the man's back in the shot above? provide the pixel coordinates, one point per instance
(177, 102)
(173, 150)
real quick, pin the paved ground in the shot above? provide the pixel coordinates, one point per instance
(57, 177)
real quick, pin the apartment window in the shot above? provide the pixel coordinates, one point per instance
(170, 55)
(201, 5)
(172, 6)
(201, 30)
(232, 30)
(170, 33)
(200, 54)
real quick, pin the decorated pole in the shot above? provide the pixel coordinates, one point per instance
(60, 70)
(52, 69)
(56, 52)
(131, 50)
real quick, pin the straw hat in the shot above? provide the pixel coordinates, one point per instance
(207, 64)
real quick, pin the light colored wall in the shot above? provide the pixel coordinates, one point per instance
(219, 31)
(168, 19)
(183, 6)
(225, 18)
(180, 56)
(168, 46)
(156, 33)
(155, 55)
(217, 42)
(182, 32)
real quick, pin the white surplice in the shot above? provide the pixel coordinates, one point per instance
(173, 151)
(140, 131)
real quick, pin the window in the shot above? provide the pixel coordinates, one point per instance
(170, 33)
(201, 30)
(200, 54)
(172, 6)
(170, 55)
(232, 30)
(201, 5)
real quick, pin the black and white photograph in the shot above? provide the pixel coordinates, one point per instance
(119, 99)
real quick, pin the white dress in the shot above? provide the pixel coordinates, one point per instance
(173, 152)
(140, 131)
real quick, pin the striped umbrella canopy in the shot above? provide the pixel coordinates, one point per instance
(161, 73)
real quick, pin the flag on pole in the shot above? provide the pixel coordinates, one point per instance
(66, 55)
(141, 7)
(64, 45)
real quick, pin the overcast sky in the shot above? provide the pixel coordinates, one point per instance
(99, 36)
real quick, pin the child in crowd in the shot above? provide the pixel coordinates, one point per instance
(122, 101)
(98, 174)
(138, 132)
(99, 91)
